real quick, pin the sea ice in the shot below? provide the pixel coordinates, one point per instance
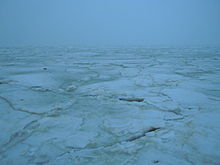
(136, 105)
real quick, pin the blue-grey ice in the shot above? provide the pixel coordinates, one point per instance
(141, 105)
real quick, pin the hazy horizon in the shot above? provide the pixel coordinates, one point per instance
(109, 23)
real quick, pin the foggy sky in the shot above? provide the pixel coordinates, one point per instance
(109, 22)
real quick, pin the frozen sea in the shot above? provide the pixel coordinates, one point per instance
(110, 106)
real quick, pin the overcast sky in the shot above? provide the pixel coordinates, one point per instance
(109, 22)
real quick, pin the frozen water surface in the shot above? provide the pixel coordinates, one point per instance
(137, 105)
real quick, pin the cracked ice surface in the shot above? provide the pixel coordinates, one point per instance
(138, 105)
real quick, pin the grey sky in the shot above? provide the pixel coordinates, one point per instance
(109, 22)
